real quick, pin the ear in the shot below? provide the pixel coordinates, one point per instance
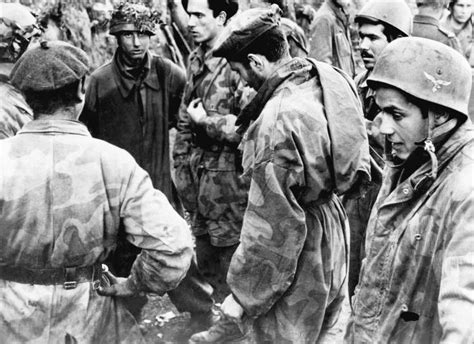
(221, 18)
(255, 61)
(81, 89)
(441, 118)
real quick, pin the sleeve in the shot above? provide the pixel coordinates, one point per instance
(456, 296)
(89, 114)
(177, 84)
(153, 225)
(223, 128)
(274, 227)
(321, 40)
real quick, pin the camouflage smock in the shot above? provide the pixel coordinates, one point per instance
(14, 112)
(207, 160)
(62, 197)
(289, 270)
(416, 283)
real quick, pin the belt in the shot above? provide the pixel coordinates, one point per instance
(69, 277)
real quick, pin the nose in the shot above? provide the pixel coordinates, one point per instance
(364, 43)
(192, 21)
(136, 40)
(385, 123)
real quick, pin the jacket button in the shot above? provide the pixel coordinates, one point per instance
(406, 191)
(404, 308)
(417, 237)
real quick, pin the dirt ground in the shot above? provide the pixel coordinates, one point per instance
(161, 323)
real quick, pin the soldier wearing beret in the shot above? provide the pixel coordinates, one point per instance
(304, 143)
(66, 198)
(132, 102)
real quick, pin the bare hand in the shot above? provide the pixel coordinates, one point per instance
(196, 111)
(119, 286)
(231, 308)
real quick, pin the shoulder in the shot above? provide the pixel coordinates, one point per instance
(446, 32)
(103, 72)
(170, 69)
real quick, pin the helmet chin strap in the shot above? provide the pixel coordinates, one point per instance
(429, 147)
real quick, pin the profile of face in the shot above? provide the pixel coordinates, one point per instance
(401, 121)
(134, 44)
(202, 25)
(372, 42)
(462, 10)
(248, 74)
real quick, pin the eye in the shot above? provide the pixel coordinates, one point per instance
(127, 35)
(396, 116)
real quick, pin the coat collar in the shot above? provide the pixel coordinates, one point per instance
(126, 84)
(55, 126)
(422, 19)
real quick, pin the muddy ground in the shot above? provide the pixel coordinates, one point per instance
(161, 323)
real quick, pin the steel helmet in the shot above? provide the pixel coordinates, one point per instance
(427, 70)
(133, 17)
(395, 13)
(17, 27)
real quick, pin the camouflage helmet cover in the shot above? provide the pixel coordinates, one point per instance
(427, 70)
(17, 27)
(395, 13)
(133, 17)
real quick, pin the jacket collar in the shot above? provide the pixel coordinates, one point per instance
(425, 20)
(126, 84)
(55, 126)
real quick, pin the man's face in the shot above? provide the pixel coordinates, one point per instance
(462, 10)
(247, 74)
(202, 25)
(401, 121)
(134, 44)
(372, 42)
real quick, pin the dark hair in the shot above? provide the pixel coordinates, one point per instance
(47, 102)
(230, 7)
(272, 44)
(391, 32)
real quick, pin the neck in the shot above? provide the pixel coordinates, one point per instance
(209, 45)
(67, 113)
(6, 68)
(435, 13)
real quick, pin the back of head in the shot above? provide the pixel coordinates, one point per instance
(427, 70)
(17, 27)
(49, 74)
(392, 13)
(230, 7)
(254, 31)
(434, 4)
(133, 17)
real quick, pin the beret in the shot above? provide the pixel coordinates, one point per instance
(48, 66)
(244, 29)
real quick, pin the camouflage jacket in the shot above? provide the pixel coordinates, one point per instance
(289, 270)
(330, 39)
(62, 199)
(416, 281)
(14, 112)
(207, 160)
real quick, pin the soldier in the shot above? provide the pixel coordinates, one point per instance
(17, 28)
(63, 197)
(206, 157)
(460, 21)
(379, 23)
(330, 39)
(416, 280)
(304, 143)
(131, 102)
(426, 23)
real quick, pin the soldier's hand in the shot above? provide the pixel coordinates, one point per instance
(196, 111)
(119, 286)
(231, 308)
